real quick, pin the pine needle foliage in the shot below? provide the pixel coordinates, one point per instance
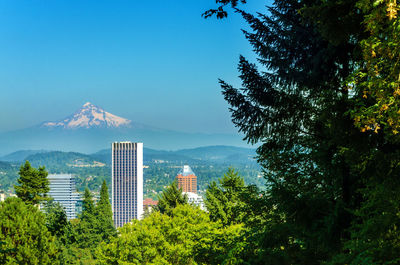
(170, 198)
(23, 235)
(223, 201)
(295, 102)
(104, 214)
(32, 184)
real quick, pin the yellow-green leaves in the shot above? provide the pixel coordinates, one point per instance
(392, 9)
(377, 80)
(184, 236)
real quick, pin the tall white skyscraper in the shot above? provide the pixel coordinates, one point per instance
(127, 182)
(62, 190)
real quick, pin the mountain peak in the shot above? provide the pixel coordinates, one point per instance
(89, 116)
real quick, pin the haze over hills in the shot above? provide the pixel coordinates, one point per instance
(91, 128)
(209, 163)
(215, 154)
(20, 155)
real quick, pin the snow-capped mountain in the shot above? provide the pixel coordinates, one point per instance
(90, 116)
(91, 128)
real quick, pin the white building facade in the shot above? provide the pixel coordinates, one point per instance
(127, 182)
(63, 191)
(195, 199)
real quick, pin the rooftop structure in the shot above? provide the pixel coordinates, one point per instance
(148, 204)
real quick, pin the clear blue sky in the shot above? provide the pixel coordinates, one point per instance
(154, 62)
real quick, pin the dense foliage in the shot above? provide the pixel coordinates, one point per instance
(24, 236)
(32, 184)
(321, 100)
(170, 198)
(223, 202)
(104, 214)
(184, 236)
(175, 232)
(377, 79)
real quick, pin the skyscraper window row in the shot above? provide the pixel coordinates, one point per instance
(125, 181)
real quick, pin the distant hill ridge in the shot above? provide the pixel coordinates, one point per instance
(219, 154)
(20, 155)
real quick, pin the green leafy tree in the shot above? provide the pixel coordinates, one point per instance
(170, 198)
(104, 214)
(32, 184)
(24, 235)
(376, 82)
(224, 202)
(184, 236)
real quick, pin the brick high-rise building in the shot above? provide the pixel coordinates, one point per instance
(187, 180)
(127, 182)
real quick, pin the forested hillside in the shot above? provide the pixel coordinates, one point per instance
(161, 167)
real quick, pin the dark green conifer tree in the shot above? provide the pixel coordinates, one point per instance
(170, 198)
(104, 214)
(224, 202)
(88, 208)
(32, 184)
(88, 235)
(56, 219)
(296, 103)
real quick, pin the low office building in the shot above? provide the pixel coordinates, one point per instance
(195, 199)
(63, 191)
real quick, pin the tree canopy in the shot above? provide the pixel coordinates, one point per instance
(104, 214)
(32, 184)
(224, 202)
(184, 236)
(377, 81)
(24, 236)
(170, 198)
(307, 100)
